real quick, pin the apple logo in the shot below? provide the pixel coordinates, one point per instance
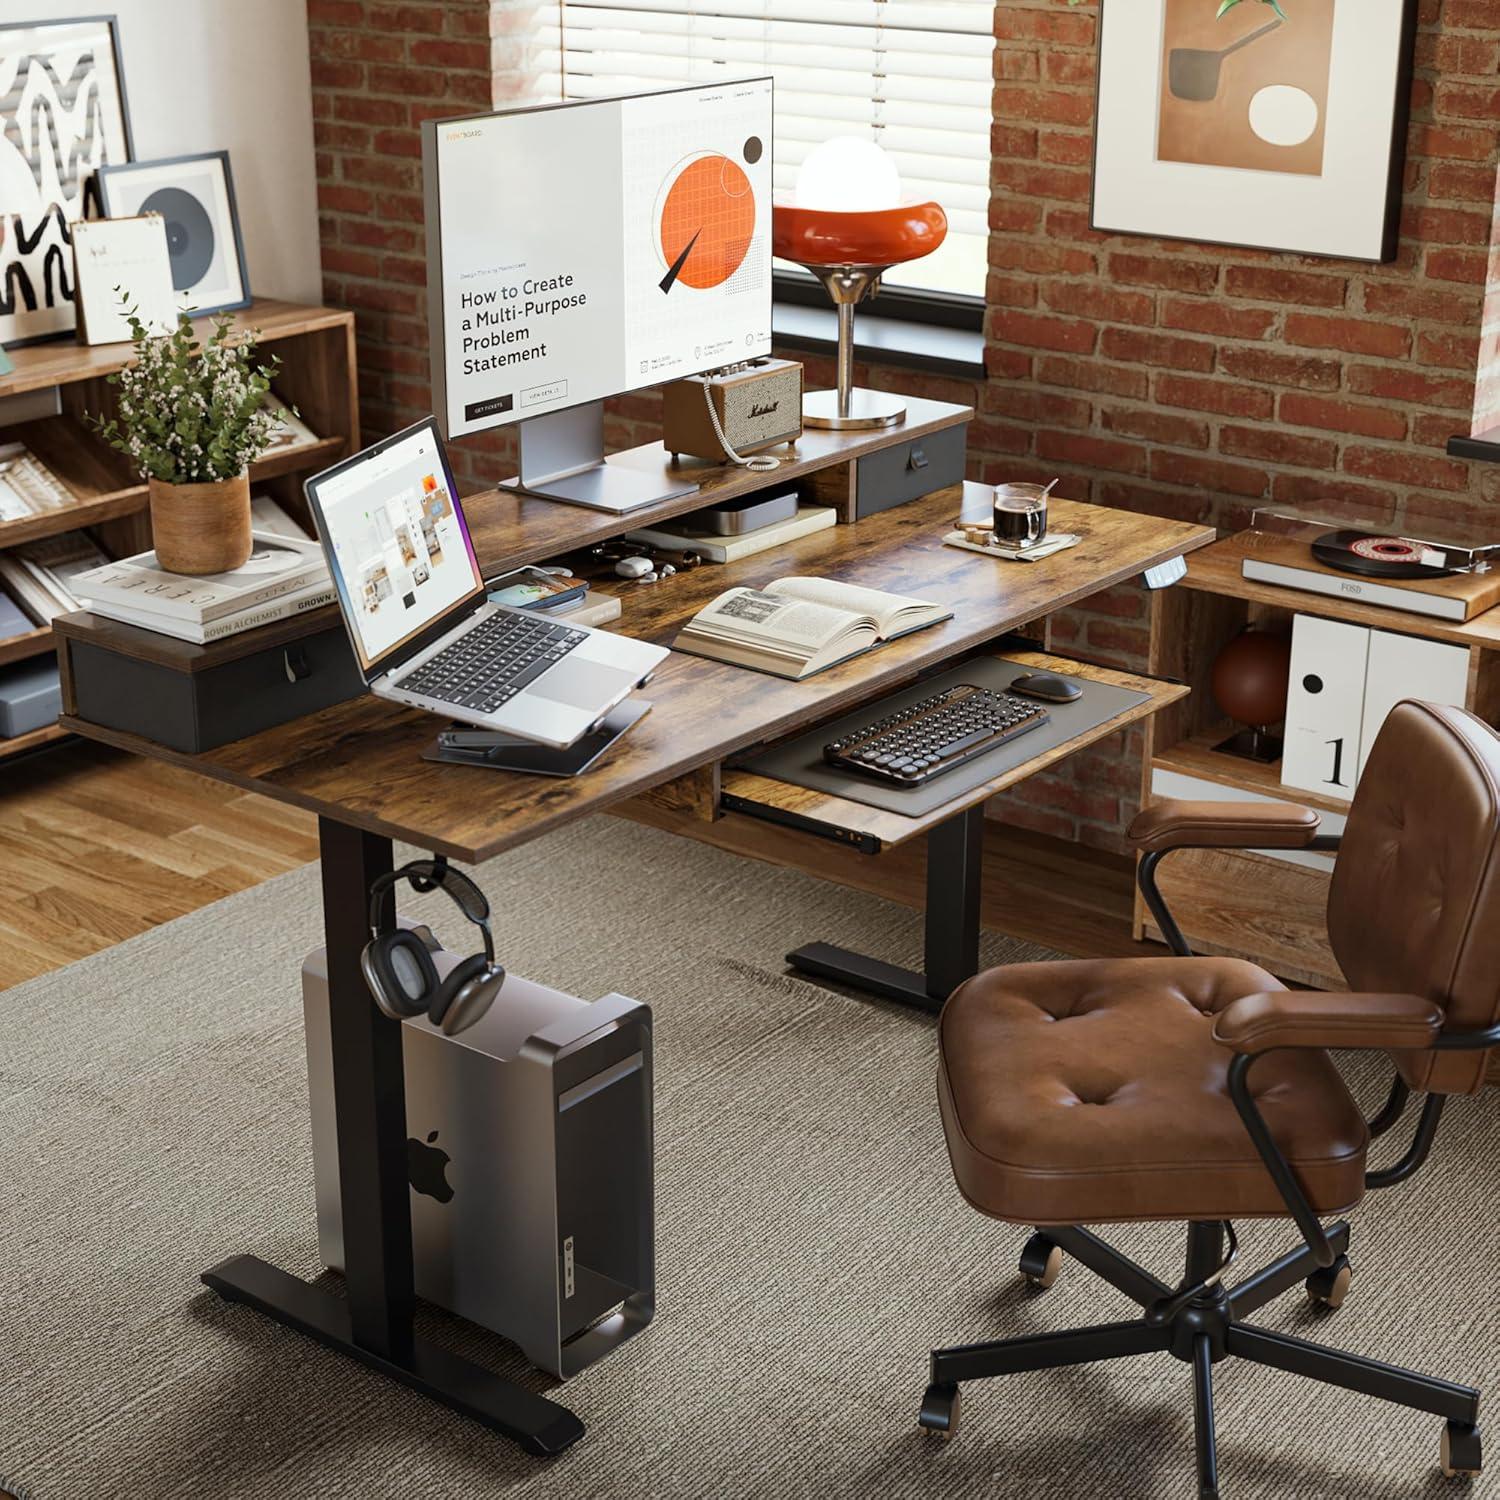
(427, 1168)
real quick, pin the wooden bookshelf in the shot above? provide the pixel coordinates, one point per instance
(315, 347)
(21, 647)
(1270, 910)
(48, 734)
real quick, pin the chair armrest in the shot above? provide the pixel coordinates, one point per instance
(1310, 1018)
(1175, 824)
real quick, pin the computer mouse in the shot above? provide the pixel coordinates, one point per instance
(1046, 686)
(634, 567)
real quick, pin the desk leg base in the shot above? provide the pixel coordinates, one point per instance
(860, 972)
(534, 1423)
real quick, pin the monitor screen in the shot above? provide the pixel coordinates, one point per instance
(396, 542)
(587, 249)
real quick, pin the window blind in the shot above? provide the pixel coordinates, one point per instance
(913, 75)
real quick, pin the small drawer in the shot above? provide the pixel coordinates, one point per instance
(907, 471)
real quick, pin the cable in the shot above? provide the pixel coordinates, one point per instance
(762, 462)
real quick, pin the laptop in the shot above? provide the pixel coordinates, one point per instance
(414, 604)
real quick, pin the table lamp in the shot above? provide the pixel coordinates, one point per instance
(846, 222)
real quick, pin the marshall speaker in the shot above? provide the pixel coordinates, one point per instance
(748, 407)
(530, 1159)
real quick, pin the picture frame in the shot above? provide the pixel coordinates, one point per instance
(1255, 129)
(195, 195)
(63, 116)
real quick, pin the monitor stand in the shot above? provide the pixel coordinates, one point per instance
(562, 458)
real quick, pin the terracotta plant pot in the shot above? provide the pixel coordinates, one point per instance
(201, 528)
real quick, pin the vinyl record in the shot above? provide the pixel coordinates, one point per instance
(1374, 556)
(190, 234)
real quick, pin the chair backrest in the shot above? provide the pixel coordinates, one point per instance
(1414, 907)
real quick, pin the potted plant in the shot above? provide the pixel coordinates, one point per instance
(191, 420)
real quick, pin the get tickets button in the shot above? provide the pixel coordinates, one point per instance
(541, 395)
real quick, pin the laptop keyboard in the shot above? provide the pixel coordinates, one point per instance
(487, 666)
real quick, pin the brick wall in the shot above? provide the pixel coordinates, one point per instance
(1157, 376)
(1199, 382)
(378, 70)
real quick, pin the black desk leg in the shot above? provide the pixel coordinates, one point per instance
(955, 859)
(373, 1323)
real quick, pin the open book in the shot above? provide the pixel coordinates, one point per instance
(797, 626)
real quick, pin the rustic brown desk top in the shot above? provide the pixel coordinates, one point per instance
(360, 762)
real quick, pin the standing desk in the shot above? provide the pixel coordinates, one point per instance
(358, 766)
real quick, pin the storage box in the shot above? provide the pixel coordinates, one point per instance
(907, 471)
(30, 697)
(193, 698)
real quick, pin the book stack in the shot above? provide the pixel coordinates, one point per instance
(42, 576)
(284, 576)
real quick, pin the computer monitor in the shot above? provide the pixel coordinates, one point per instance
(582, 250)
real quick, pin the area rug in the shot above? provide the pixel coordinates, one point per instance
(811, 1243)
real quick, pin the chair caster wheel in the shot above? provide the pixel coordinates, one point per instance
(1462, 1455)
(1329, 1285)
(1041, 1261)
(940, 1410)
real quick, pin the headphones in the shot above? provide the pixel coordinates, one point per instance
(397, 962)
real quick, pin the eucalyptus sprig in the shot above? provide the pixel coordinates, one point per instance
(189, 413)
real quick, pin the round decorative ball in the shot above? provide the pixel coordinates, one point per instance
(1251, 675)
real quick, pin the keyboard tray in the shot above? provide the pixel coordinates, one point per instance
(791, 784)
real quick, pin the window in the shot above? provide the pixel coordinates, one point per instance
(914, 75)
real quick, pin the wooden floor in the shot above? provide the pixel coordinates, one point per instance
(97, 846)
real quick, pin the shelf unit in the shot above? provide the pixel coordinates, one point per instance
(1269, 910)
(315, 346)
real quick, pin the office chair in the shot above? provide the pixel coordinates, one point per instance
(1201, 1089)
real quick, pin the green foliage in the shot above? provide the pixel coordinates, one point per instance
(190, 412)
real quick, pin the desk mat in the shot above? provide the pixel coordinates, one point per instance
(800, 761)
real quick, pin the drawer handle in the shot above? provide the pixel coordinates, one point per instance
(916, 459)
(298, 668)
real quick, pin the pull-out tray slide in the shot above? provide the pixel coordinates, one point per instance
(790, 784)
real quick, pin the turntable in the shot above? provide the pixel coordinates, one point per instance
(1447, 580)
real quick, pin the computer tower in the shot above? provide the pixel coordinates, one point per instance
(531, 1164)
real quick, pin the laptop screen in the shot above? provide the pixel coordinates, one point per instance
(396, 541)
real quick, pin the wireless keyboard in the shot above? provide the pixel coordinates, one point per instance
(936, 735)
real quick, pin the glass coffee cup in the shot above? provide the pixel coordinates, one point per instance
(1020, 514)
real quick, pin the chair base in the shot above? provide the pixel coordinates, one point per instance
(1201, 1331)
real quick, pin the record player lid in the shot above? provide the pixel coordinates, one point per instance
(1460, 543)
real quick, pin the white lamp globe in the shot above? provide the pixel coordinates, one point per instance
(848, 175)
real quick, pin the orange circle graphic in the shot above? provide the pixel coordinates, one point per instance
(712, 200)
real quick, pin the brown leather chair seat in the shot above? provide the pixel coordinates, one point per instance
(1094, 1092)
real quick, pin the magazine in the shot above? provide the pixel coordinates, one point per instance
(27, 486)
(291, 431)
(43, 575)
(278, 565)
(795, 627)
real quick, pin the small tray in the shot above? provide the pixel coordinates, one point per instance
(1050, 546)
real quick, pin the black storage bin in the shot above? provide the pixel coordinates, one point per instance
(197, 698)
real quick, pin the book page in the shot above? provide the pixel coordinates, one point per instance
(764, 619)
(882, 607)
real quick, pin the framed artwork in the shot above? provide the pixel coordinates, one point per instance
(1283, 131)
(195, 195)
(62, 117)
